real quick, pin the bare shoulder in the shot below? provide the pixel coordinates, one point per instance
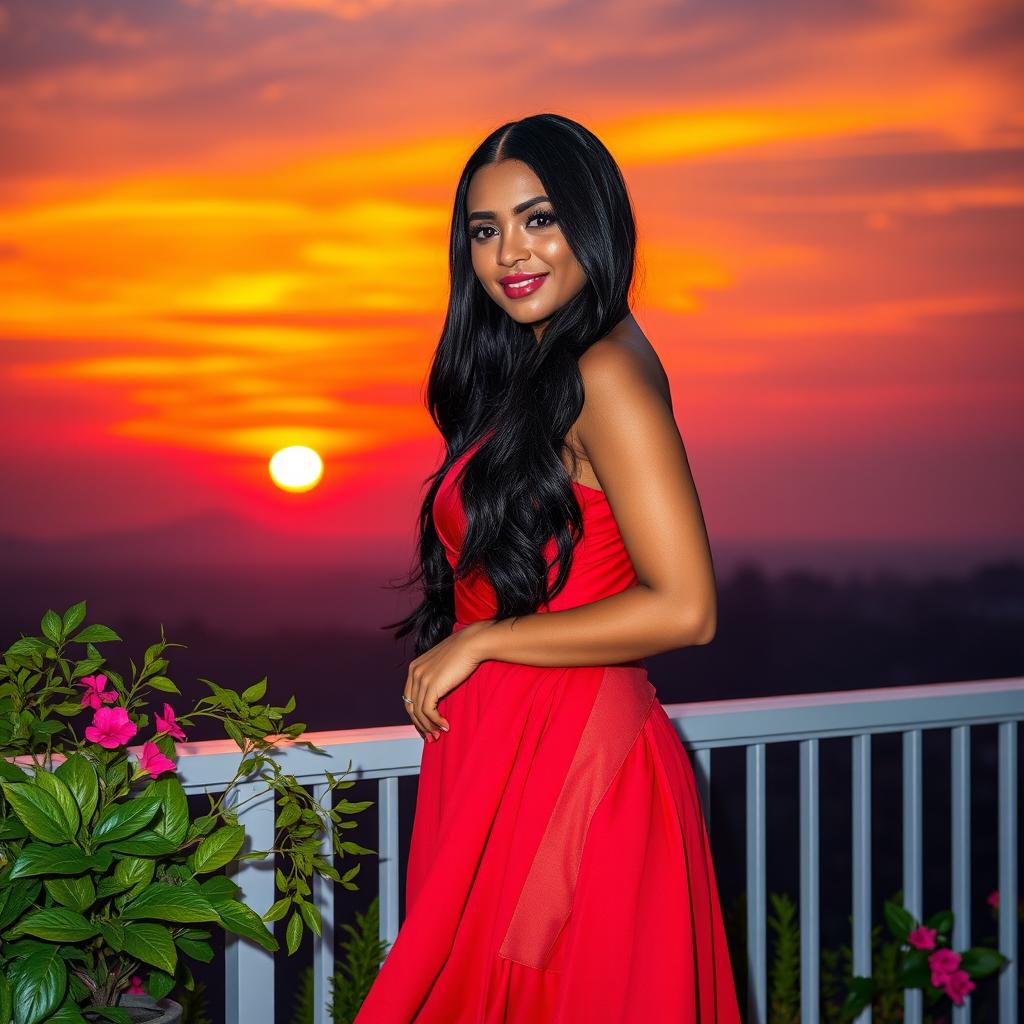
(625, 354)
(623, 362)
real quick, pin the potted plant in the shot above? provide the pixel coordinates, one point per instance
(927, 962)
(108, 885)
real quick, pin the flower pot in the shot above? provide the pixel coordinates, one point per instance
(146, 1010)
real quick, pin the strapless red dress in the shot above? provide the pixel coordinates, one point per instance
(559, 865)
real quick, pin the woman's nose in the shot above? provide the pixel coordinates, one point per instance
(512, 251)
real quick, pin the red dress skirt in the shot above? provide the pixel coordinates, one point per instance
(559, 866)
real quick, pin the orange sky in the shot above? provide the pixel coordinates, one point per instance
(223, 230)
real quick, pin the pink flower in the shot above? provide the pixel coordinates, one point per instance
(993, 898)
(152, 760)
(111, 727)
(166, 723)
(136, 988)
(922, 938)
(943, 962)
(958, 984)
(96, 695)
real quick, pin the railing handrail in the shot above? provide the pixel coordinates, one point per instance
(394, 750)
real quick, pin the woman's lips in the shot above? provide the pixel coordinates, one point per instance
(521, 288)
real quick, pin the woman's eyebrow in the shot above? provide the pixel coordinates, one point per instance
(489, 214)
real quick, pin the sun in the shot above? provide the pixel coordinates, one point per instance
(297, 468)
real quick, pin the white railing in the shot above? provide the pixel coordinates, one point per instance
(387, 753)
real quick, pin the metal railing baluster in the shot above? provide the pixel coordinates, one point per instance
(249, 968)
(861, 829)
(389, 852)
(810, 871)
(913, 853)
(323, 945)
(757, 924)
(1008, 851)
(960, 846)
(702, 759)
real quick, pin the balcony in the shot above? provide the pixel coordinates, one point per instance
(386, 754)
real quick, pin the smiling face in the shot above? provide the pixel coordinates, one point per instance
(514, 233)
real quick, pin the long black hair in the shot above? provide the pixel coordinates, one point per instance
(491, 379)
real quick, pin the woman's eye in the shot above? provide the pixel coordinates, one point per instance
(548, 218)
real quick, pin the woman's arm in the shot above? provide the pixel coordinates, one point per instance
(632, 442)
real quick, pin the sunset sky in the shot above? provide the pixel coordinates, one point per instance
(223, 230)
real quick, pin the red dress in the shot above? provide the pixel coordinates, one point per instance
(559, 867)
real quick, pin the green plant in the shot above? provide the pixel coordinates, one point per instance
(103, 871)
(784, 987)
(927, 961)
(195, 1006)
(889, 974)
(362, 955)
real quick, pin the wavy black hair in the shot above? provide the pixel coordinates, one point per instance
(491, 379)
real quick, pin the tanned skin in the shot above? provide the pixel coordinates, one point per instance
(626, 443)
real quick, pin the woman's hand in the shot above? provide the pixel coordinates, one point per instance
(437, 672)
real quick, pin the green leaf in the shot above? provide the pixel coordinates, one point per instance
(49, 782)
(95, 634)
(18, 896)
(217, 850)
(38, 811)
(941, 921)
(278, 910)
(163, 684)
(76, 893)
(350, 847)
(58, 924)
(42, 859)
(195, 948)
(79, 775)
(312, 916)
(980, 961)
(255, 692)
(899, 920)
(115, 1014)
(119, 821)
(220, 887)
(152, 944)
(159, 984)
(235, 733)
(289, 815)
(11, 772)
(913, 970)
(67, 1014)
(242, 920)
(861, 991)
(353, 807)
(6, 998)
(134, 873)
(165, 902)
(27, 646)
(52, 626)
(11, 829)
(173, 820)
(73, 618)
(39, 981)
(145, 844)
(113, 934)
(293, 933)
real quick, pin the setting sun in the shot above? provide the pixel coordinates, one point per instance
(297, 468)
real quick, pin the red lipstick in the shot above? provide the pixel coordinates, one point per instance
(518, 285)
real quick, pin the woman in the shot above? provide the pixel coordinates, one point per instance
(559, 868)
